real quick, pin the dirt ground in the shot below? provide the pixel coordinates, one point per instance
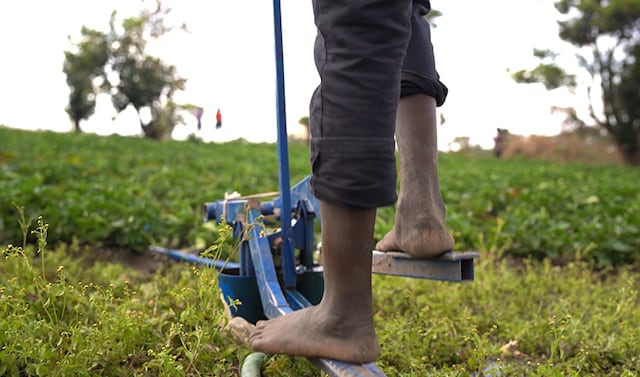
(144, 262)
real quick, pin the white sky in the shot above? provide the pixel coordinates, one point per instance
(228, 61)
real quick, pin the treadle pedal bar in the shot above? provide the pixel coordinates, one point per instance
(452, 266)
(335, 368)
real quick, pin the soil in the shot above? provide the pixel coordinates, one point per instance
(145, 262)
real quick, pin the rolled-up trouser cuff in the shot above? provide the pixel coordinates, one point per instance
(355, 172)
(414, 83)
(359, 52)
(419, 74)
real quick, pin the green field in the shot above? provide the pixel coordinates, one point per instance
(559, 250)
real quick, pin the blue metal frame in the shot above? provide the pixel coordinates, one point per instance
(274, 302)
(288, 263)
(260, 249)
(181, 256)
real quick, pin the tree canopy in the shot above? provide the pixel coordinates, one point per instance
(116, 62)
(606, 38)
(83, 68)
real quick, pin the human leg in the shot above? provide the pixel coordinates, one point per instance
(341, 326)
(419, 227)
(359, 53)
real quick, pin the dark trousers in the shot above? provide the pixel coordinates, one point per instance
(368, 53)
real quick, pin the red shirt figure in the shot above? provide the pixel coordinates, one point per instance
(218, 119)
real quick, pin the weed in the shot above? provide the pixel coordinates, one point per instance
(497, 246)
(24, 223)
(54, 324)
(563, 319)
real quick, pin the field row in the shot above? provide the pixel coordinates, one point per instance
(128, 193)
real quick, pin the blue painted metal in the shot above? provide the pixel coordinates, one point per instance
(301, 191)
(244, 289)
(227, 211)
(246, 264)
(303, 233)
(296, 299)
(190, 258)
(273, 300)
(288, 262)
(232, 211)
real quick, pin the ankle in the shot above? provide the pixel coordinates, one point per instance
(427, 209)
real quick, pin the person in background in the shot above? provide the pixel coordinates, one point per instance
(378, 80)
(199, 111)
(498, 147)
(218, 119)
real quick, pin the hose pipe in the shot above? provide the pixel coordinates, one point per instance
(252, 365)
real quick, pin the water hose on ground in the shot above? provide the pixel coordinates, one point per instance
(252, 365)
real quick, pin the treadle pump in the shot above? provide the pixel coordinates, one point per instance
(276, 273)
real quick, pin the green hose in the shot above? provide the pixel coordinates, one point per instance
(252, 365)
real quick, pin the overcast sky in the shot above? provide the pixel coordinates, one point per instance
(228, 60)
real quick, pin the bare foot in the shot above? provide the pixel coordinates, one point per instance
(317, 333)
(419, 228)
(420, 236)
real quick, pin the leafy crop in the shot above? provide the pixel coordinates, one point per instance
(558, 211)
(123, 192)
(128, 193)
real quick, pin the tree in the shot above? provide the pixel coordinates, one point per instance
(118, 59)
(431, 17)
(83, 68)
(606, 36)
(141, 80)
(304, 122)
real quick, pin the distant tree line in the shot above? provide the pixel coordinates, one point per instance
(606, 37)
(116, 63)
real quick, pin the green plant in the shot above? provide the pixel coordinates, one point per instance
(497, 245)
(541, 229)
(118, 324)
(128, 193)
(24, 223)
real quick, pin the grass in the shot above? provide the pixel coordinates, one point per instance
(82, 317)
(64, 314)
(554, 293)
(565, 322)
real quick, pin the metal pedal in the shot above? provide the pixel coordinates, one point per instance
(336, 368)
(452, 266)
